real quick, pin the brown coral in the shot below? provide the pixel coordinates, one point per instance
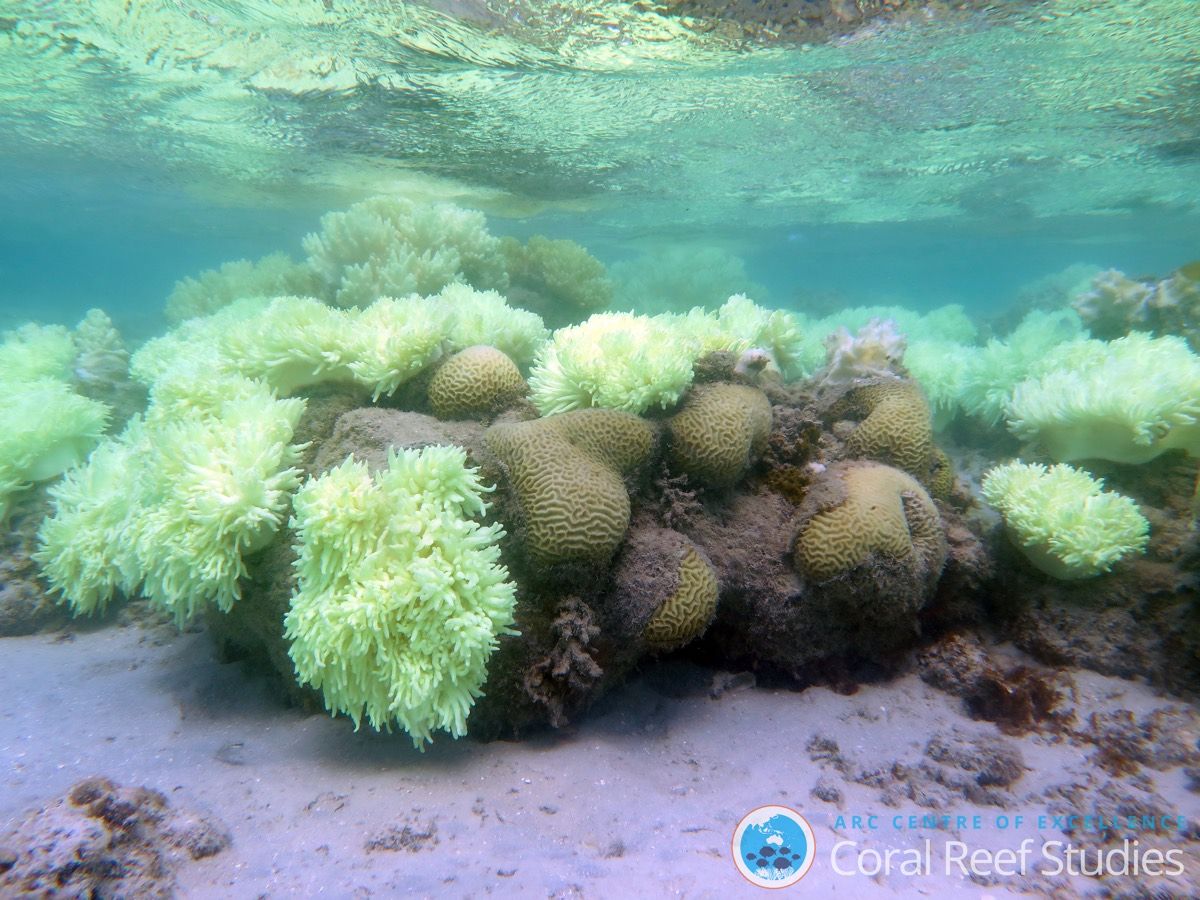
(896, 426)
(474, 382)
(720, 432)
(567, 472)
(881, 511)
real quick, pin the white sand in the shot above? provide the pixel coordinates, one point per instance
(639, 800)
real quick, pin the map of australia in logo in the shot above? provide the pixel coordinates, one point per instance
(773, 846)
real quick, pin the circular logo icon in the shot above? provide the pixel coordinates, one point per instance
(773, 846)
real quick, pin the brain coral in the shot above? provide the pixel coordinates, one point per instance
(881, 512)
(896, 426)
(474, 381)
(685, 614)
(721, 430)
(664, 589)
(567, 473)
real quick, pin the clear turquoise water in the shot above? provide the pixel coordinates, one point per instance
(953, 157)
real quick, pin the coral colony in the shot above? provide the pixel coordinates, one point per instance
(379, 467)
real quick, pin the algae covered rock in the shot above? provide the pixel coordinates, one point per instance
(720, 432)
(474, 382)
(568, 474)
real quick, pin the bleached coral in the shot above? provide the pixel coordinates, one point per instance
(679, 278)
(1127, 400)
(557, 278)
(172, 505)
(995, 369)
(401, 594)
(214, 289)
(392, 247)
(875, 351)
(1063, 520)
(614, 360)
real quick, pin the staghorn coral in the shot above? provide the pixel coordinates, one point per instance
(876, 511)
(474, 382)
(719, 433)
(401, 597)
(567, 473)
(569, 671)
(1063, 520)
(895, 427)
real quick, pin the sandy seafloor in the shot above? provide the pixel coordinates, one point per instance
(639, 799)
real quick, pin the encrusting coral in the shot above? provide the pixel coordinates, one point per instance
(1063, 520)
(719, 433)
(567, 471)
(401, 597)
(473, 382)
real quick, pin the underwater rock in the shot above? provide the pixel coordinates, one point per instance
(25, 605)
(104, 840)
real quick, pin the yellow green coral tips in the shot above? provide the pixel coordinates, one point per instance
(1063, 519)
(401, 594)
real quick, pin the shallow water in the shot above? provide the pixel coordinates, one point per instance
(817, 155)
